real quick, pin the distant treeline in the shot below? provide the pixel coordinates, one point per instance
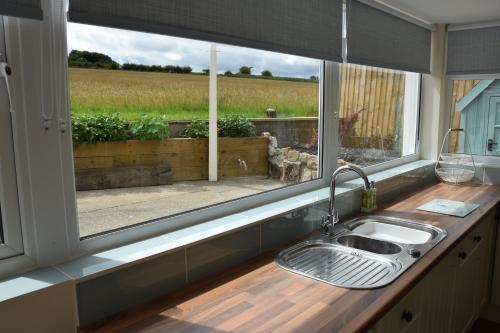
(157, 68)
(86, 59)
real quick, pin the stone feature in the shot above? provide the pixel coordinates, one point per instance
(290, 165)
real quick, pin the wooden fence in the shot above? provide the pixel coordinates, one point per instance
(379, 92)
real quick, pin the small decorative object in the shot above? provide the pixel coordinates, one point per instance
(369, 199)
(271, 113)
(455, 168)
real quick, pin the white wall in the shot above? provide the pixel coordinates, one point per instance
(433, 107)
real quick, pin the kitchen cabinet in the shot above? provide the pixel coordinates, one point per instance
(450, 297)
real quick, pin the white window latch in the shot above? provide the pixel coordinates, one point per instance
(5, 72)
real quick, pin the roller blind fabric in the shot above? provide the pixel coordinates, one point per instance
(474, 51)
(376, 38)
(31, 9)
(311, 28)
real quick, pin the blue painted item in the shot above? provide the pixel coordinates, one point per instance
(480, 117)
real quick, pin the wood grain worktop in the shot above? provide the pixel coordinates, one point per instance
(258, 296)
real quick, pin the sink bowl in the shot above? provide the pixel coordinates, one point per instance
(366, 252)
(369, 244)
(393, 230)
(393, 233)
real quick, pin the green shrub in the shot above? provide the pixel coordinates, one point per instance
(149, 128)
(92, 129)
(196, 129)
(236, 126)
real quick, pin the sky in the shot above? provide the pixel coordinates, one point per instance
(149, 49)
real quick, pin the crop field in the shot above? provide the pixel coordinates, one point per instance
(185, 96)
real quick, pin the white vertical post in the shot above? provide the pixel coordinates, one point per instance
(212, 117)
(410, 113)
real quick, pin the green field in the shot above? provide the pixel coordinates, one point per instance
(185, 96)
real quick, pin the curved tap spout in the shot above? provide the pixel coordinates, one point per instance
(329, 221)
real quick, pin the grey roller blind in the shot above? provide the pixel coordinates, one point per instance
(474, 51)
(311, 28)
(377, 38)
(22, 8)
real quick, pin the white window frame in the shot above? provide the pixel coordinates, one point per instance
(11, 244)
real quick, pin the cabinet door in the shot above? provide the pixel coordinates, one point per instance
(483, 236)
(465, 290)
(404, 317)
(437, 296)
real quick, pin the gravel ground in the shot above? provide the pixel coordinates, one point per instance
(104, 210)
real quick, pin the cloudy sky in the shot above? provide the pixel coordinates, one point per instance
(149, 49)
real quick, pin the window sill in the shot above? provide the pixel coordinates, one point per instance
(90, 266)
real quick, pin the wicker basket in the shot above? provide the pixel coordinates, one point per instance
(455, 168)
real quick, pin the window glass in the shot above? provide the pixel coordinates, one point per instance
(475, 107)
(10, 222)
(378, 114)
(140, 109)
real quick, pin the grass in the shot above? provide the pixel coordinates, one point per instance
(185, 96)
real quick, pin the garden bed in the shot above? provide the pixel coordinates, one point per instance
(184, 158)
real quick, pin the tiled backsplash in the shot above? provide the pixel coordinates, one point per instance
(107, 294)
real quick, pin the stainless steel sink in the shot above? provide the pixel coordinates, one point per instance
(366, 252)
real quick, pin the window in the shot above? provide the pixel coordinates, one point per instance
(475, 107)
(140, 107)
(10, 225)
(378, 114)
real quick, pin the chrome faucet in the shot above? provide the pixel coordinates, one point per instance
(328, 222)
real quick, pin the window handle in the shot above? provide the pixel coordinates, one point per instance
(5, 72)
(491, 143)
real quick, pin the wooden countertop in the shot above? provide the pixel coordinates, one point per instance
(258, 296)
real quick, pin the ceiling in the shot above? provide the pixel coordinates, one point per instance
(449, 11)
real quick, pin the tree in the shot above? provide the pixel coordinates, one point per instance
(313, 78)
(228, 73)
(245, 70)
(267, 73)
(88, 59)
(206, 71)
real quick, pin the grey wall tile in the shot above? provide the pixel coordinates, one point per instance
(491, 176)
(348, 203)
(215, 255)
(108, 294)
(395, 187)
(285, 228)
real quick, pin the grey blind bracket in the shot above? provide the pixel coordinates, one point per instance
(311, 28)
(474, 51)
(377, 38)
(31, 9)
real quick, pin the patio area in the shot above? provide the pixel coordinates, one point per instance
(104, 210)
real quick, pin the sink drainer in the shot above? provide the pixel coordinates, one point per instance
(338, 265)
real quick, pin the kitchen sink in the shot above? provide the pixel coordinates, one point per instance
(366, 252)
